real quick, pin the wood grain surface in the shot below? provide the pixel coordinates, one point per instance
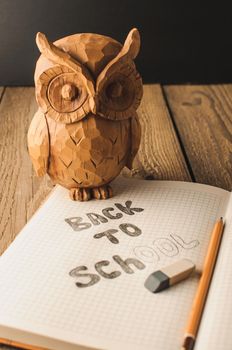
(18, 184)
(186, 135)
(159, 154)
(203, 117)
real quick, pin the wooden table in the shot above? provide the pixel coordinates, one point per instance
(186, 136)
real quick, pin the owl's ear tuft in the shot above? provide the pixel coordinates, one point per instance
(53, 53)
(62, 58)
(42, 42)
(132, 43)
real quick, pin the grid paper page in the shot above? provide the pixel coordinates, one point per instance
(215, 329)
(38, 294)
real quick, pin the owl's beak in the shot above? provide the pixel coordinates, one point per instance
(93, 104)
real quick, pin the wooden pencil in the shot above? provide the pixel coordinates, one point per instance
(203, 286)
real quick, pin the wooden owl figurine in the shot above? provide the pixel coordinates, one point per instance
(86, 128)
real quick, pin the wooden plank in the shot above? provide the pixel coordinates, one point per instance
(18, 184)
(203, 116)
(4, 347)
(159, 154)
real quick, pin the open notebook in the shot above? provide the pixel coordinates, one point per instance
(73, 279)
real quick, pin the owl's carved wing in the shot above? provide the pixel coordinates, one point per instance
(38, 143)
(135, 140)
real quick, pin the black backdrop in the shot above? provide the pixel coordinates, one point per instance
(182, 41)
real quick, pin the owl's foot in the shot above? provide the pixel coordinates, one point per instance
(80, 194)
(102, 192)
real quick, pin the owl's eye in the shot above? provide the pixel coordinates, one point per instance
(120, 94)
(69, 92)
(66, 93)
(62, 94)
(114, 90)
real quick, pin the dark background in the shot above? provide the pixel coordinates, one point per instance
(182, 42)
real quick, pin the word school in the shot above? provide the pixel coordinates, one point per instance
(166, 246)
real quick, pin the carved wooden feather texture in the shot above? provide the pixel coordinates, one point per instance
(86, 129)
